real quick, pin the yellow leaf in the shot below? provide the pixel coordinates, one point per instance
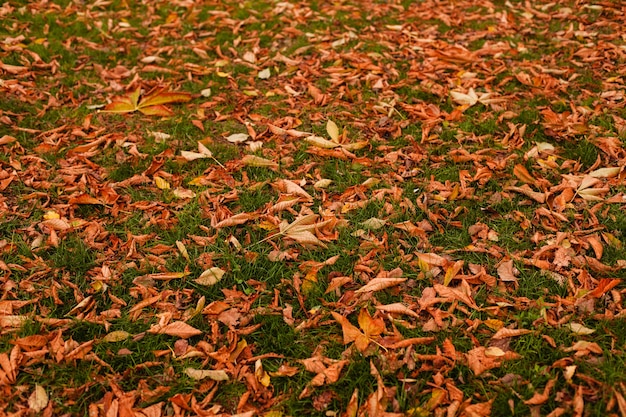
(260, 373)
(38, 400)
(320, 142)
(608, 172)
(161, 183)
(580, 329)
(210, 276)
(116, 336)
(257, 161)
(199, 374)
(183, 250)
(333, 131)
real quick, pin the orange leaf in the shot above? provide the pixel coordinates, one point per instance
(350, 332)
(523, 175)
(176, 328)
(378, 284)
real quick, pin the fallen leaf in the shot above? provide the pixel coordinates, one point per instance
(200, 374)
(38, 400)
(210, 276)
(176, 328)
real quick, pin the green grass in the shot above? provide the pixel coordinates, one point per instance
(431, 195)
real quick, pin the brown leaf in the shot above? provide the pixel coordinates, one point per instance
(176, 328)
(378, 284)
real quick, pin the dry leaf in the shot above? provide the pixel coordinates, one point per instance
(210, 276)
(200, 374)
(38, 400)
(116, 336)
(176, 328)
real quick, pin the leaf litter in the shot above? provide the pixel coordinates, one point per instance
(440, 193)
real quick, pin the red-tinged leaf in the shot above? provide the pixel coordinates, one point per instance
(176, 328)
(461, 293)
(378, 284)
(604, 285)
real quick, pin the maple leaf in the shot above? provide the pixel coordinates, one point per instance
(370, 327)
(152, 104)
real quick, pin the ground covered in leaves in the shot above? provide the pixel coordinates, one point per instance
(312, 208)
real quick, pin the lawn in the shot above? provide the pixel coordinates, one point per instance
(347, 208)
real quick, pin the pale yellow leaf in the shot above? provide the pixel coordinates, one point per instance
(38, 400)
(257, 161)
(116, 336)
(323, 183)
(191, 156)
(265, 74)
(204, 150)
(580, 329)
(183, 193)
(238, 137)
(333, 131)
(593, 194)
(305, 238)
(494, 352)
(608, 172)
(320, 142)
(587, 181)
(210, 276)
(183, 250)
(468, 99)
(199, 374)
(373, 223)
(355, 145)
